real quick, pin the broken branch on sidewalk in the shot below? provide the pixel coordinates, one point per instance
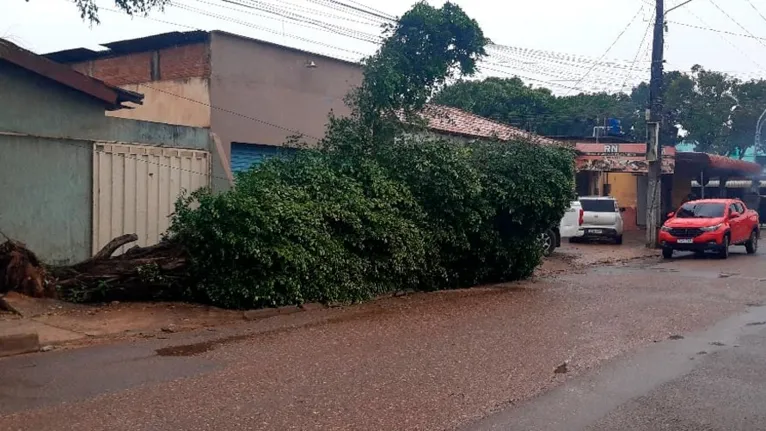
(140, 273)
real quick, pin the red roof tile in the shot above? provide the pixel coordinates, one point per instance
(447, 119)
(726, 163)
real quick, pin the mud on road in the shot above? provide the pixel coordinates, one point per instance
(427, 361)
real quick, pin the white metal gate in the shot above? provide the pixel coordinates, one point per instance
(135, 187)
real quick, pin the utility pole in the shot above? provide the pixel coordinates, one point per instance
(654, 121)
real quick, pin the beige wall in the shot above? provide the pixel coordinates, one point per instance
(179, 101)
(624, 188)
(273, 90)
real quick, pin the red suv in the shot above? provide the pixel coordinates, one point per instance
(710, 224)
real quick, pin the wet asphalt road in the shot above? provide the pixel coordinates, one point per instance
(711, 380)
(632, 336)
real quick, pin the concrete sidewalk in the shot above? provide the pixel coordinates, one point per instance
(61, 324)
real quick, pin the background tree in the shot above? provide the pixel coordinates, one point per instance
(89, 8)
(752, 101)
(422, 50)
(706, 110)
(508, 100)
(511, 101)
(715, 110)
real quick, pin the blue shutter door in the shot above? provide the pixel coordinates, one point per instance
(245, 156)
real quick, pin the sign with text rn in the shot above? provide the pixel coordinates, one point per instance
(628, 158)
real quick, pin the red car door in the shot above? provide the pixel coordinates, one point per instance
(735, 221)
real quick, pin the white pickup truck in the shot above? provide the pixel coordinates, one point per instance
(569, 227)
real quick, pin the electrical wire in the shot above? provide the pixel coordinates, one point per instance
(610, 46)
(638, 53)
(698, 27)
(269, 30)
(229, 111)
(736, 22)
(732, 44)
(226, 18)
(369, 12)
(309, 11)
(296, 19)
(756, 9)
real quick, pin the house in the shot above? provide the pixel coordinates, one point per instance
(253, 94)
(72, 177)
(454, 122)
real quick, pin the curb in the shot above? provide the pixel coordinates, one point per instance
(264, 313)
(17, 344)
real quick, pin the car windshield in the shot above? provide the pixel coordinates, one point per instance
(598, 205)
(701, 210)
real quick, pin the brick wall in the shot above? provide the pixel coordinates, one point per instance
(188, 61)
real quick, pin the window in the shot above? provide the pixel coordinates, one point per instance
(701, 210)
(733, 209)
(599, 205)
(740, 207)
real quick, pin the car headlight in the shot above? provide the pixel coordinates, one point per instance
(665, 229)
(711, 228)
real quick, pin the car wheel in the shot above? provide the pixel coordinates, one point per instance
(752, 244)
(548, 242)
(618, 240)
(667, 253)
(725, 248)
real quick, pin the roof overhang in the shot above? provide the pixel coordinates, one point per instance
(112, 97)
(716, 166)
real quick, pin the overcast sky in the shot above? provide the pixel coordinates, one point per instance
(552, 43)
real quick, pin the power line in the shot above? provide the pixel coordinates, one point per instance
(715, 30)
(228, 111)
(610, 46)
(756, 9)
(300, 20)
(352, 11)
(310, 11)
(297, 19)
(574, 58)
(561, 74)
(638, 53)
(726, 39)
(369, 12)
(737, 22)
(246, 24)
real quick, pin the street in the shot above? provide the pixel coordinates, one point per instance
(632, 336)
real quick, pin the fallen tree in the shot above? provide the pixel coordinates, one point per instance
(141, 273)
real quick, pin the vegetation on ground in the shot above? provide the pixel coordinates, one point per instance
(380, 206)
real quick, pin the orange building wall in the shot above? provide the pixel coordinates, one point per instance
(624, 189)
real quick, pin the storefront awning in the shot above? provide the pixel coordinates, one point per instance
(715, 166)
(628, 157)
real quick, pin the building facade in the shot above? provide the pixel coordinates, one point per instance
(72, 177)
(253, 95)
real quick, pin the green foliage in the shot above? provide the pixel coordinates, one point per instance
(89, 8)
(331, 226)
(486, 202)
(378, 207)
(700, 102)
(511, 101)
(299, 231)
(423, 49)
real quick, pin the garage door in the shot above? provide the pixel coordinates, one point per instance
(245, 156)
